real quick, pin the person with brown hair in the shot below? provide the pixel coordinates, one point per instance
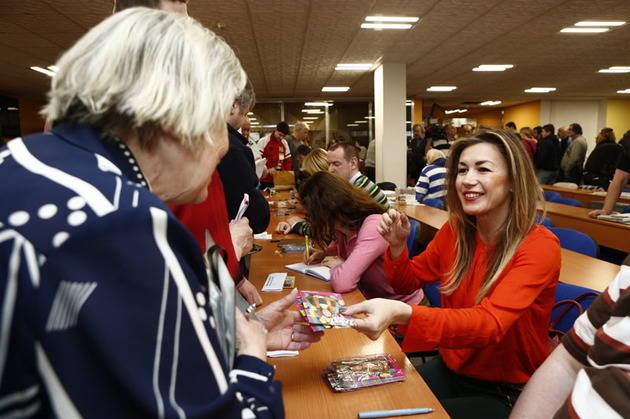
(498, 271)
(336, 209)
(600, 165)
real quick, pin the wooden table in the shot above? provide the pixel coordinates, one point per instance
(306, 392)
(583, 195)
(577, 269)
(605, 233)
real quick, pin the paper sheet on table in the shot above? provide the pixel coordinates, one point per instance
(279, 354)
(263, 236)
(260, 166)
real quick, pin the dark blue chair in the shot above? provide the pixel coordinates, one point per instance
(551, 195)
(626, 209)
(413, 234)
(432, 293)
(576, 241)
(544, 221)
(566, 310)
(567, 201)
(433, 202)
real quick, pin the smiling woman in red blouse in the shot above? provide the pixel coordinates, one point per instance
(498, 272)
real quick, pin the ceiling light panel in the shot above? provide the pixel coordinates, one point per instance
(398, 19)
(386, 25)
(627, 91)
(540, 90)
(335, 89)
(584, 30)
(493, 67)
(353, 67)
(611, 23)
(441, 88)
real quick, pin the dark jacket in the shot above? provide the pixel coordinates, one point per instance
(238, 174)
(548, 153)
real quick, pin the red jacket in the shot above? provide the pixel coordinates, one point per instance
(504, 337)
(211, 214)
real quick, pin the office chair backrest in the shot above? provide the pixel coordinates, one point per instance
(566, 310)
(387, 186)
(576, 241)
(432, 293)
(433, 202)
(551, 195)
(545, 221)
(567, 201)
(412, 244)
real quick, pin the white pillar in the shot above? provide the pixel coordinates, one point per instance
(390, 88)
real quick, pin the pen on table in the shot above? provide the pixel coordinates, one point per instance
(306, 241)
(281, 215)
(395, 412)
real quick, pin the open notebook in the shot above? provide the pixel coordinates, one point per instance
(318, 271)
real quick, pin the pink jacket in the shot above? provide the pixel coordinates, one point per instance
(363, 264)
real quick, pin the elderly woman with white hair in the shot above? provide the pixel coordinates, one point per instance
(432, 179)
(105, 301)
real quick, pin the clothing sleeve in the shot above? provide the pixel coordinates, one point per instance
(288, 160)
(238, 175)
(370, 245)
(573, 156)
(534, 268)
(128, 310)
(422, 187)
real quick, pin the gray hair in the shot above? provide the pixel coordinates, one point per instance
(142, 70)
(247, 98)
(300, 125)
(434, 154)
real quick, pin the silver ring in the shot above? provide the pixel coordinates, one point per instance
(292, 335)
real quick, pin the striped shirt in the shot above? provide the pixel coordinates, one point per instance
(362, 182)
(431, 182)
(600, 339)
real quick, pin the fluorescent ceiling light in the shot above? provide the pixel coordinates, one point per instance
(386, 25)
(53, 68)
(584, 30)
(615, 69)
(360, 122)
(317, 104)
(490, 103)
(493, 67)
(255, 123)
(456, 111)
(43, 70)
(335, 89)
(353, 125)
(312, 111)
(600, 23)
(407, 19)
(627, 91)
(353, 67)
(441, 88)
(540, 90)
(310, 117)
(369, 117)
(269, 126)
(250, 113)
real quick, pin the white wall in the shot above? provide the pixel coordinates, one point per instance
(590, 114)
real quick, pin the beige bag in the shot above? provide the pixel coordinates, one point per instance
(283, 181)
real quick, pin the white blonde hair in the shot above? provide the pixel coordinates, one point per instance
(434, 154)
(144, 69)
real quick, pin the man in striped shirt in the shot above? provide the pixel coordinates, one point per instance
(343, 160)
(589, 374)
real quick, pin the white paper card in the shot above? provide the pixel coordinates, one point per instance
(275, 281)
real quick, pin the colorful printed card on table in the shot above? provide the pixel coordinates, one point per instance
(365, 371)
(322, 310)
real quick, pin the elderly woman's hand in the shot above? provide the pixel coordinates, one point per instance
(395, 228)
(283, 325)
(242, 237)
(378, 313)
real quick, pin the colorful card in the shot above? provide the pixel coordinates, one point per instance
(322, 310)
(366, 371)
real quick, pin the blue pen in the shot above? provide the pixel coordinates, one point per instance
(395, 412)
(281, 215)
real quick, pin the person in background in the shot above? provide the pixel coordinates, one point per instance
(246, 128)
(467, 130)
(315, 161)
(490, 251)
(343, 160)
(100, 275)
(587, 375)
(298, 157)
(370, 161)
(573, 158)
(599, 169)
(620, 179)
(548, 156)
(296, 139)
(431, 180)
(338, 210)
(415, 152)
(527, 139)
(275, 149)
(511, 128)
(443, 143)
(537, 130)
